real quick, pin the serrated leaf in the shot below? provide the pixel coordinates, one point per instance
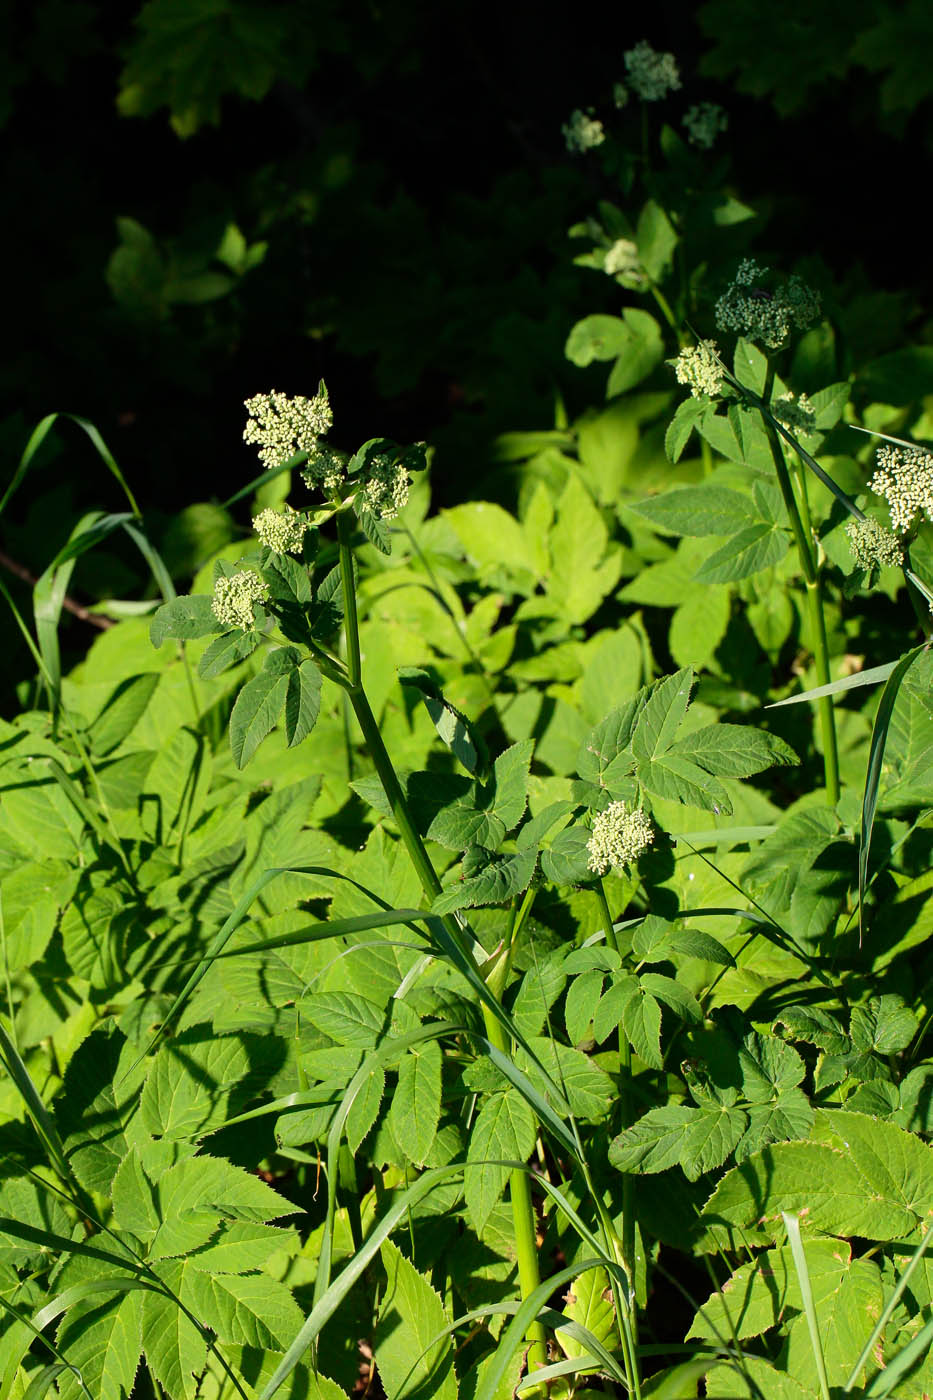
(734, 750)
(758, 1295)
(699, 510)
(411, 1316)
(103, 1340)
(185, 618)
(504, 1129)
(510, 777)
(496, 883)
(176, 1350)
(121, 712)
(302, 702)
(672, 994)
(260, 703)
(253, 1310)
(134, 1206)
(680, 780)
(582, 999)
(641, 351)
(610, 738)
(596, 338)
(883, 1026)
(226, 650)
(588, 1088)
(566, 860)
(351, 1020)
(687, 417)
(189, 1083)
(452, 727)
(626, 1004)
(416, 1103)
(588, 1302)
(752, 549)
(365, 1108)
(240, 1247)
(662, 714)
(698, 1139)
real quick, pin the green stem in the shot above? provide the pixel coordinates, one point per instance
(808, 564)
(625, 1104)
(523, 1215)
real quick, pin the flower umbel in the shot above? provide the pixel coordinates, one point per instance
(235, 596)
(698, 366)
(651, 75)
(905, 480)
(583, 131)
(281, 426)
(619, 837)
(386, 489)
(704, 122)
(795, 413)
(872, 546)
(761, 314)
(622, 261)
(281, 531)
(324, 469)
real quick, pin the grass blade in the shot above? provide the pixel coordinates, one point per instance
(37, 438)
(874, 676)
(792, 1225)
(36, 1109)
(879, 735)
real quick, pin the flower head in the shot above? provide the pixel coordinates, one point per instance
(796, 413)
(385, 491)
(281, 531)
(651, 75)
(759, 314)
(619, 837)
(583, 131)
(281, 426)
(905, 480)
(234, 597)
(698, 366)
(325, 469)
(622, 261)
(872, 546)
(704, 121)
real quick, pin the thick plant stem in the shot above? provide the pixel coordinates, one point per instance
(625, 1106)
(803, 539)
(523, 1216)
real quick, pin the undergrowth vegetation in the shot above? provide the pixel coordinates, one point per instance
(482, 951)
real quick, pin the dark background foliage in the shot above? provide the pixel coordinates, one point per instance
(405, 168)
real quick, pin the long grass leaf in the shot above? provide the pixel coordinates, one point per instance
(874, 676)
(792, 1225)
(79, 1291)
(43, 1381)
(879, 735)
(36, 1109)
(37, 438)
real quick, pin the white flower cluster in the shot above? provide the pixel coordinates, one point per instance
(872, 546)
(622, 261)
(324, 469)
(386, 489)
(798, 413)
(759, 314)
(905, 480)
(704, 122)
(698, 366)
(281, 426)
(582, 132)
(619, 837)
(651, 75)
(235, 596)
(282, 531)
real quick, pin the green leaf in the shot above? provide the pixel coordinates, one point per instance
(588, 1302)
(856, 1176)
(364, 1109)
(679, 780)
(699, 510)
(698, 1139)
(452, 727)
(497, 882)
(588, 1089)
(416, 1103)
(750, 365)
(176, 1350)
(411, 1315)
(349, 1020)
(585, 567)
(121, 712)
(734, 750)
(102, 1339)
(663, 714)
(655, 940)
(758, 1295)
(883, 1026)
(510, 778)
(754, 548)
(627, 1004)
(302, 702)
(596, 338)
(641, 352)
(680, 429)
(260, 703)
(226, 650)
(186, 617)
(656, 238)
(504, 1129)
(188, 1087)
(251, 1309)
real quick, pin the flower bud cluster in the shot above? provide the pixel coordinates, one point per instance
(651, 75)
(281, 531)
(872, 546)
(583, 131)
(325, 470)
(619, 837)
(698, 366)
(905, 480)
(386, 488)
(281, 426)
(622, 261)
(234, 598)
(796, 413)
(704, 122)
(759, 314)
